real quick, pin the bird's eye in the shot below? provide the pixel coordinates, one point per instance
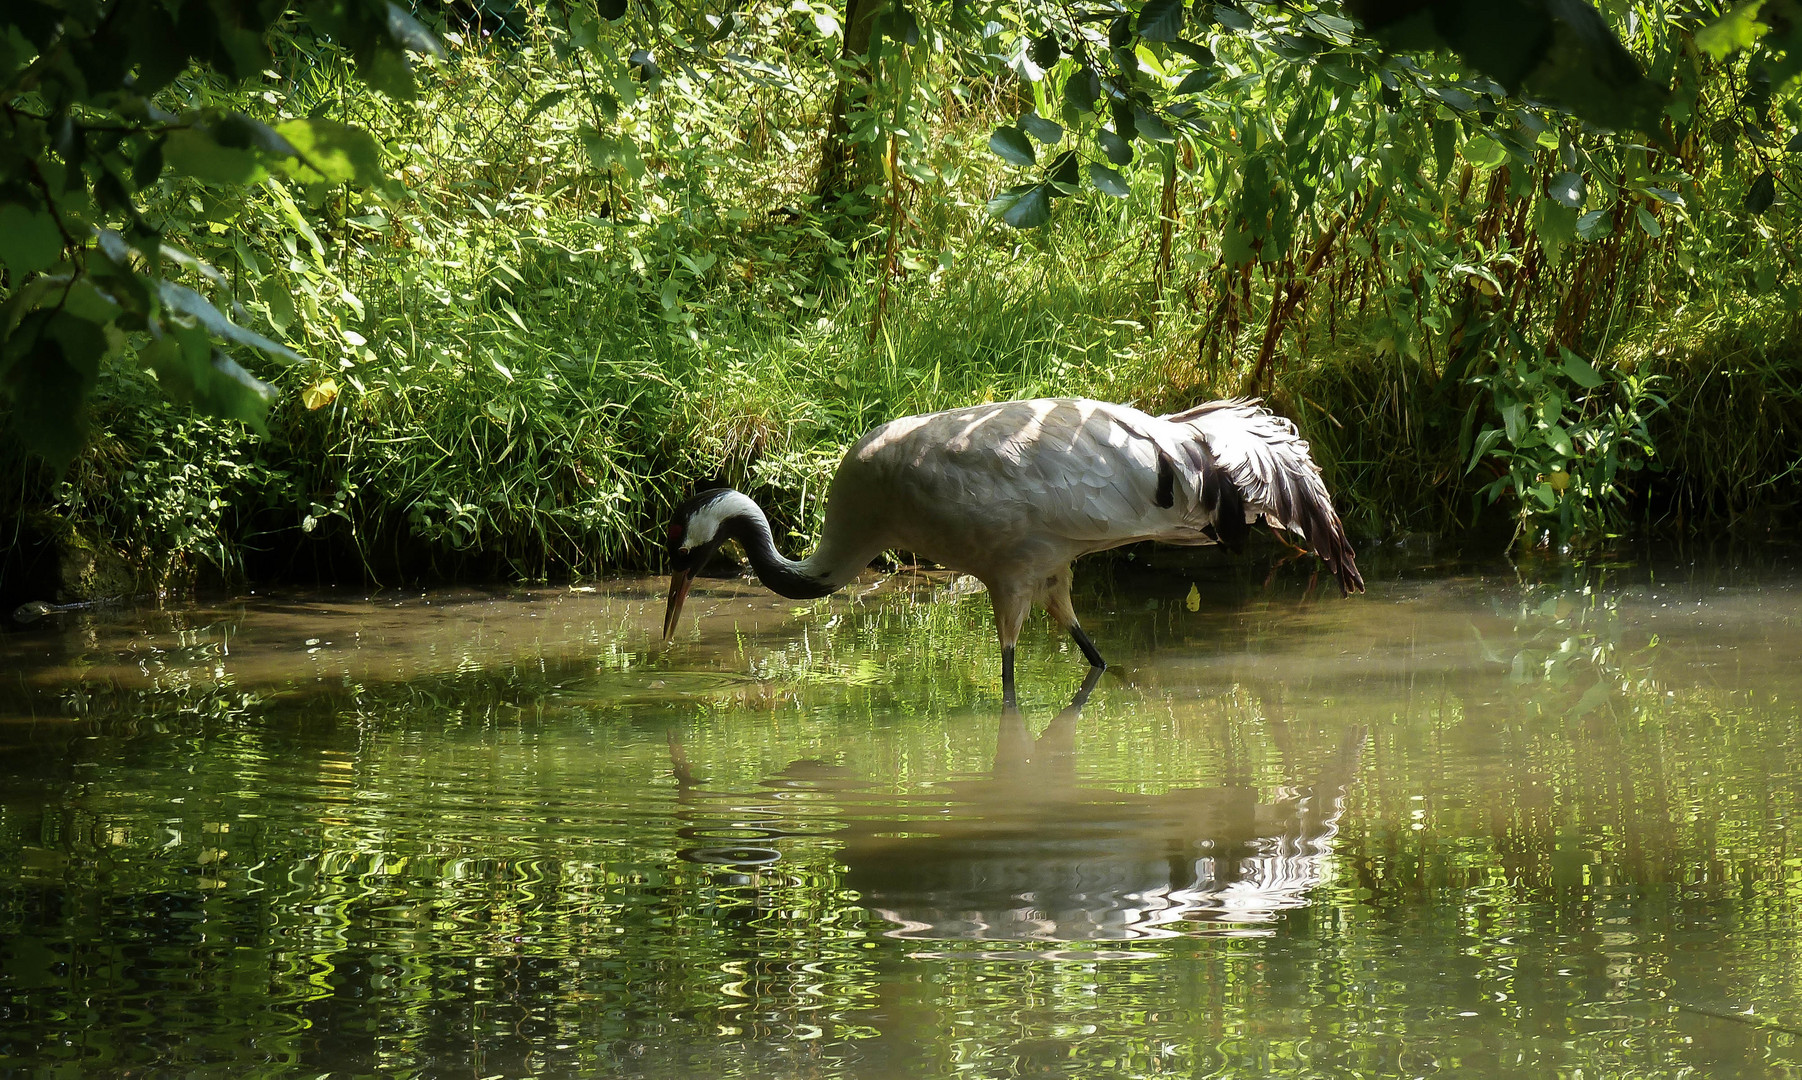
(675, 534)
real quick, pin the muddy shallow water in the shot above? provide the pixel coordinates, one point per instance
(1485, 820)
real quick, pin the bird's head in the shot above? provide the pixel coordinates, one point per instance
(696, 531)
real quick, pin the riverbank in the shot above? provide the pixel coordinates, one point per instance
(521, 352)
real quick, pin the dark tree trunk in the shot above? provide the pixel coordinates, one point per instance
(845, 167)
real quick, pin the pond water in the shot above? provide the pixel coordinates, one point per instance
(1486, 820)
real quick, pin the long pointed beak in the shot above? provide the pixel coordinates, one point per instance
(678, 592)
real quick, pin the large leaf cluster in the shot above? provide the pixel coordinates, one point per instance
(1133, 78)
(89, 125)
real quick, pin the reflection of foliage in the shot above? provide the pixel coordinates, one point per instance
(480, 871)
(1569, 635)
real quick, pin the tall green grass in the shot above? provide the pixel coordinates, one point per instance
(519, 360)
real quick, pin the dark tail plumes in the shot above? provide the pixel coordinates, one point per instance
(1273, 474)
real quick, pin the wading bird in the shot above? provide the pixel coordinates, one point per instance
(1012, 492)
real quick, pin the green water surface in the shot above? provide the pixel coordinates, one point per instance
(1485, 820)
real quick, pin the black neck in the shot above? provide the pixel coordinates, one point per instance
(783, 576)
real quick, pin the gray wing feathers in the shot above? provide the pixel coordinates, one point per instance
(1268, 461)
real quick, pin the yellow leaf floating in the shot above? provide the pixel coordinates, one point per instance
(320, 394)
(1194, 600)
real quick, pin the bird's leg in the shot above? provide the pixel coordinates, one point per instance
(1058, 606)
(1096, 663)
(1295, 549)
(1010, 607)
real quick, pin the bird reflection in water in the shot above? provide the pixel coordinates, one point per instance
(1027, 854)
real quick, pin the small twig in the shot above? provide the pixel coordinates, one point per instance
(1745, 1018)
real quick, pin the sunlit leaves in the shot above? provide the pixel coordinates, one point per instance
(320, 394)
(186, 301)
(1556, 226)
(1484, 152)
(607, 151)
(1023, 207)
(196, 153)
(103, 138)
(1738, 29)
(330, 152)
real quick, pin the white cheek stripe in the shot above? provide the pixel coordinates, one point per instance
(707, 520)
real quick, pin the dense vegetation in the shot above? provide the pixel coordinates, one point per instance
(605, 254)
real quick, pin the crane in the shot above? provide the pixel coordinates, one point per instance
(1012, 492)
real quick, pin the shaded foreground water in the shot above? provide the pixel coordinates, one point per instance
(1479, 822)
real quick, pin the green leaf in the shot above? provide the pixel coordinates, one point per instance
(29, 240)
(1595, 225)
(1234, 19)
(1161, 20)
(194, 152)
(50, 363)
(1484, 152)
(1567, 189)
(1581, 371)
(191, 370)
(1647, 223)
(1081, 89)
(1046, 131)
(1559, 440)
(1066, 173)
(1739, 29)
(1556, 226)
(188, 302)
(1198, 80)
(1108, 182)
(1011, 145)
(1514, 420)
(1045, 50)
(1120, 32)
(546, 101)
(1023, 207)
(1201, 54)
(1445, 145)
(410, 34)
(1453, 97)
(611, 9)
(1236, 246)
(280, 303)
(1762, 193)
(606, 151)
(330, 152)
(1118, 150)
(1150, 127)
(1484, 444)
